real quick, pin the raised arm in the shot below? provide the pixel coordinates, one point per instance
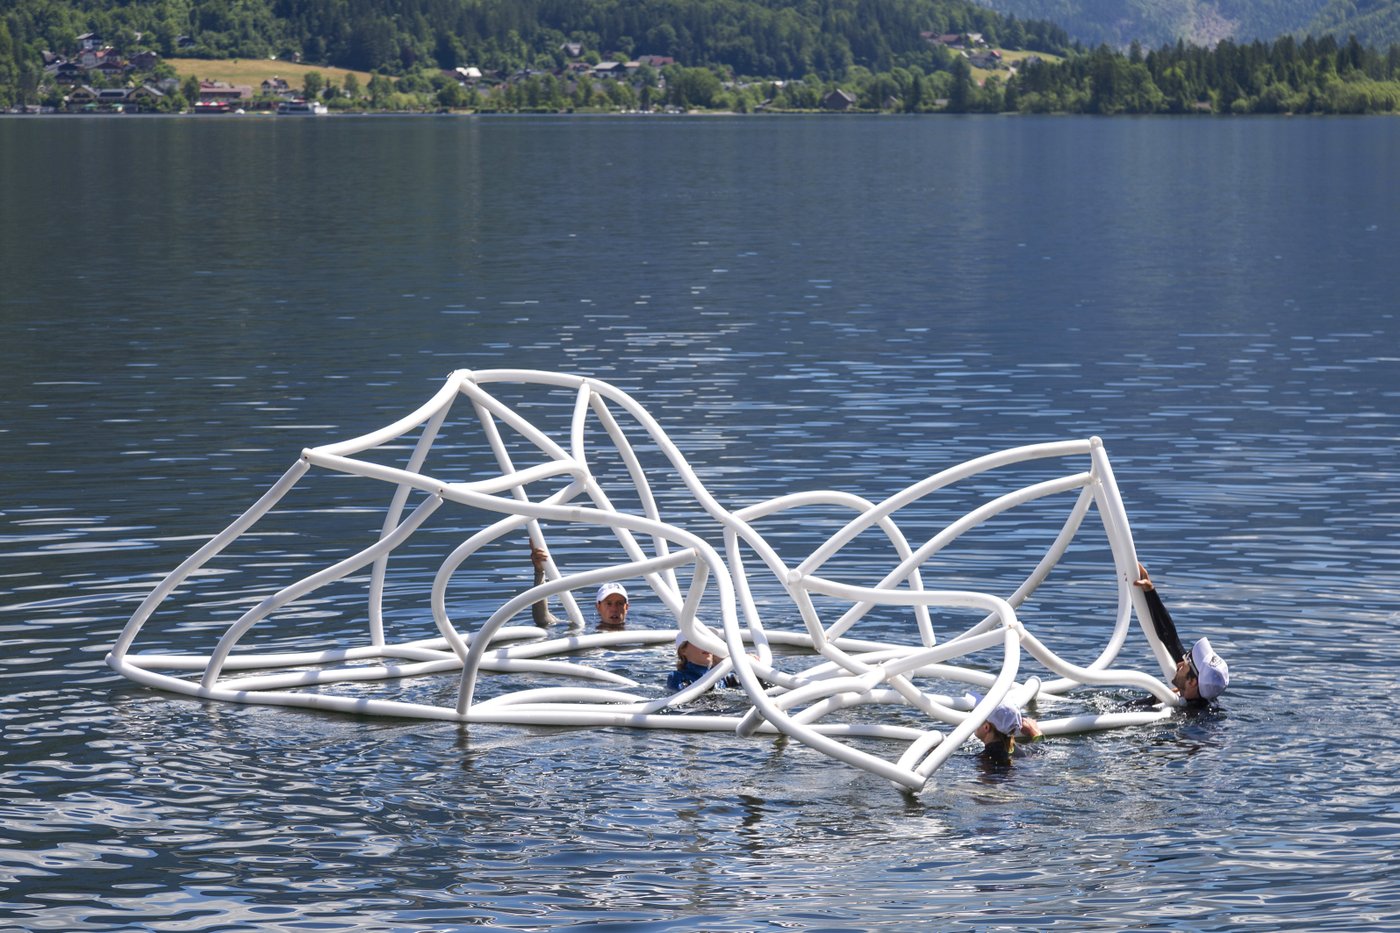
(1161, 618)
(540, 610)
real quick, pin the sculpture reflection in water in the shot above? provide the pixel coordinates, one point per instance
(835, 647)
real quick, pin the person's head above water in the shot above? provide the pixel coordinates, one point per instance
(1004, 721)
(1003, 725)
(612, 605)
(690, 653)
(1202, 674)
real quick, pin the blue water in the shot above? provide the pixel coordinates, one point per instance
(804, 303)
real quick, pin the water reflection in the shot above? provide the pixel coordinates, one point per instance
(803, 306)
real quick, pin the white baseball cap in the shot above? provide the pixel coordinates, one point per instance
(607, 589)
(1006, 718)
(1212, 673)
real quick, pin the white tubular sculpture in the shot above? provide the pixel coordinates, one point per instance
(812, 681)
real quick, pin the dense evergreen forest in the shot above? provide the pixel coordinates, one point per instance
(743, 55)
(766, 38)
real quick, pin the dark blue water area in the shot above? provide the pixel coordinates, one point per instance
(803, 303)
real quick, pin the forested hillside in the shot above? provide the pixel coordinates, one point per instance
(1154, 23)
(749, 37)
(911, 56)
(1373, 22)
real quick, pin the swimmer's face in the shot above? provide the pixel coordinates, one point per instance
(612, 612)
(694, 654)
(1184, 680)
(987, 733)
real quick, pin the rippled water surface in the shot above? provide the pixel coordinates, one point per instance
(845, 303)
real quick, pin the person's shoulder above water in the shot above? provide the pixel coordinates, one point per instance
(692, 663)
(1002, 728)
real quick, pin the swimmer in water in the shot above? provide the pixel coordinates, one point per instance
(611, 600)
(1201, 674)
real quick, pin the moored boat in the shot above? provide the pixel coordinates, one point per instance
(301, 107)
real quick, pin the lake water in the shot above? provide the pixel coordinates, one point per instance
(830, 302)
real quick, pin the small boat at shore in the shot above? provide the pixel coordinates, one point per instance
(301, 108)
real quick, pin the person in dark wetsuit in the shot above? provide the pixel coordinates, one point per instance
(692, 663)
(1201, 675)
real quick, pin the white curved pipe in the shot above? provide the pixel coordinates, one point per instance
(790, 681)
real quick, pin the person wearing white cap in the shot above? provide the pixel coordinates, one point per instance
(1201, 675)
(612, 607)
(692, 663)
(1002, 728)
(611, 599)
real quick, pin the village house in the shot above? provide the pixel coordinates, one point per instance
(955, 40)
(112, 68)
(113, 99)
(69, 73)
(839, 100)
(219, 92)
(97, 63)
(145, 97)
(989, 59)
(610, 70)
(80, 98)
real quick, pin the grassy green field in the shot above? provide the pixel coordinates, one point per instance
(1010, 58)
(253, 72)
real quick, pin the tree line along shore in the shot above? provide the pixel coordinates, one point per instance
(964, 73)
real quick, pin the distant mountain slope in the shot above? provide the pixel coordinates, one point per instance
(1154, 23)
(1375, 23)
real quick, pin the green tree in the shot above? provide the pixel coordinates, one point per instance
(960, 95)
(692, 87)
(10, 93)
(583, 92)
(1014, 35)
(380, 88)
(452, 96)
